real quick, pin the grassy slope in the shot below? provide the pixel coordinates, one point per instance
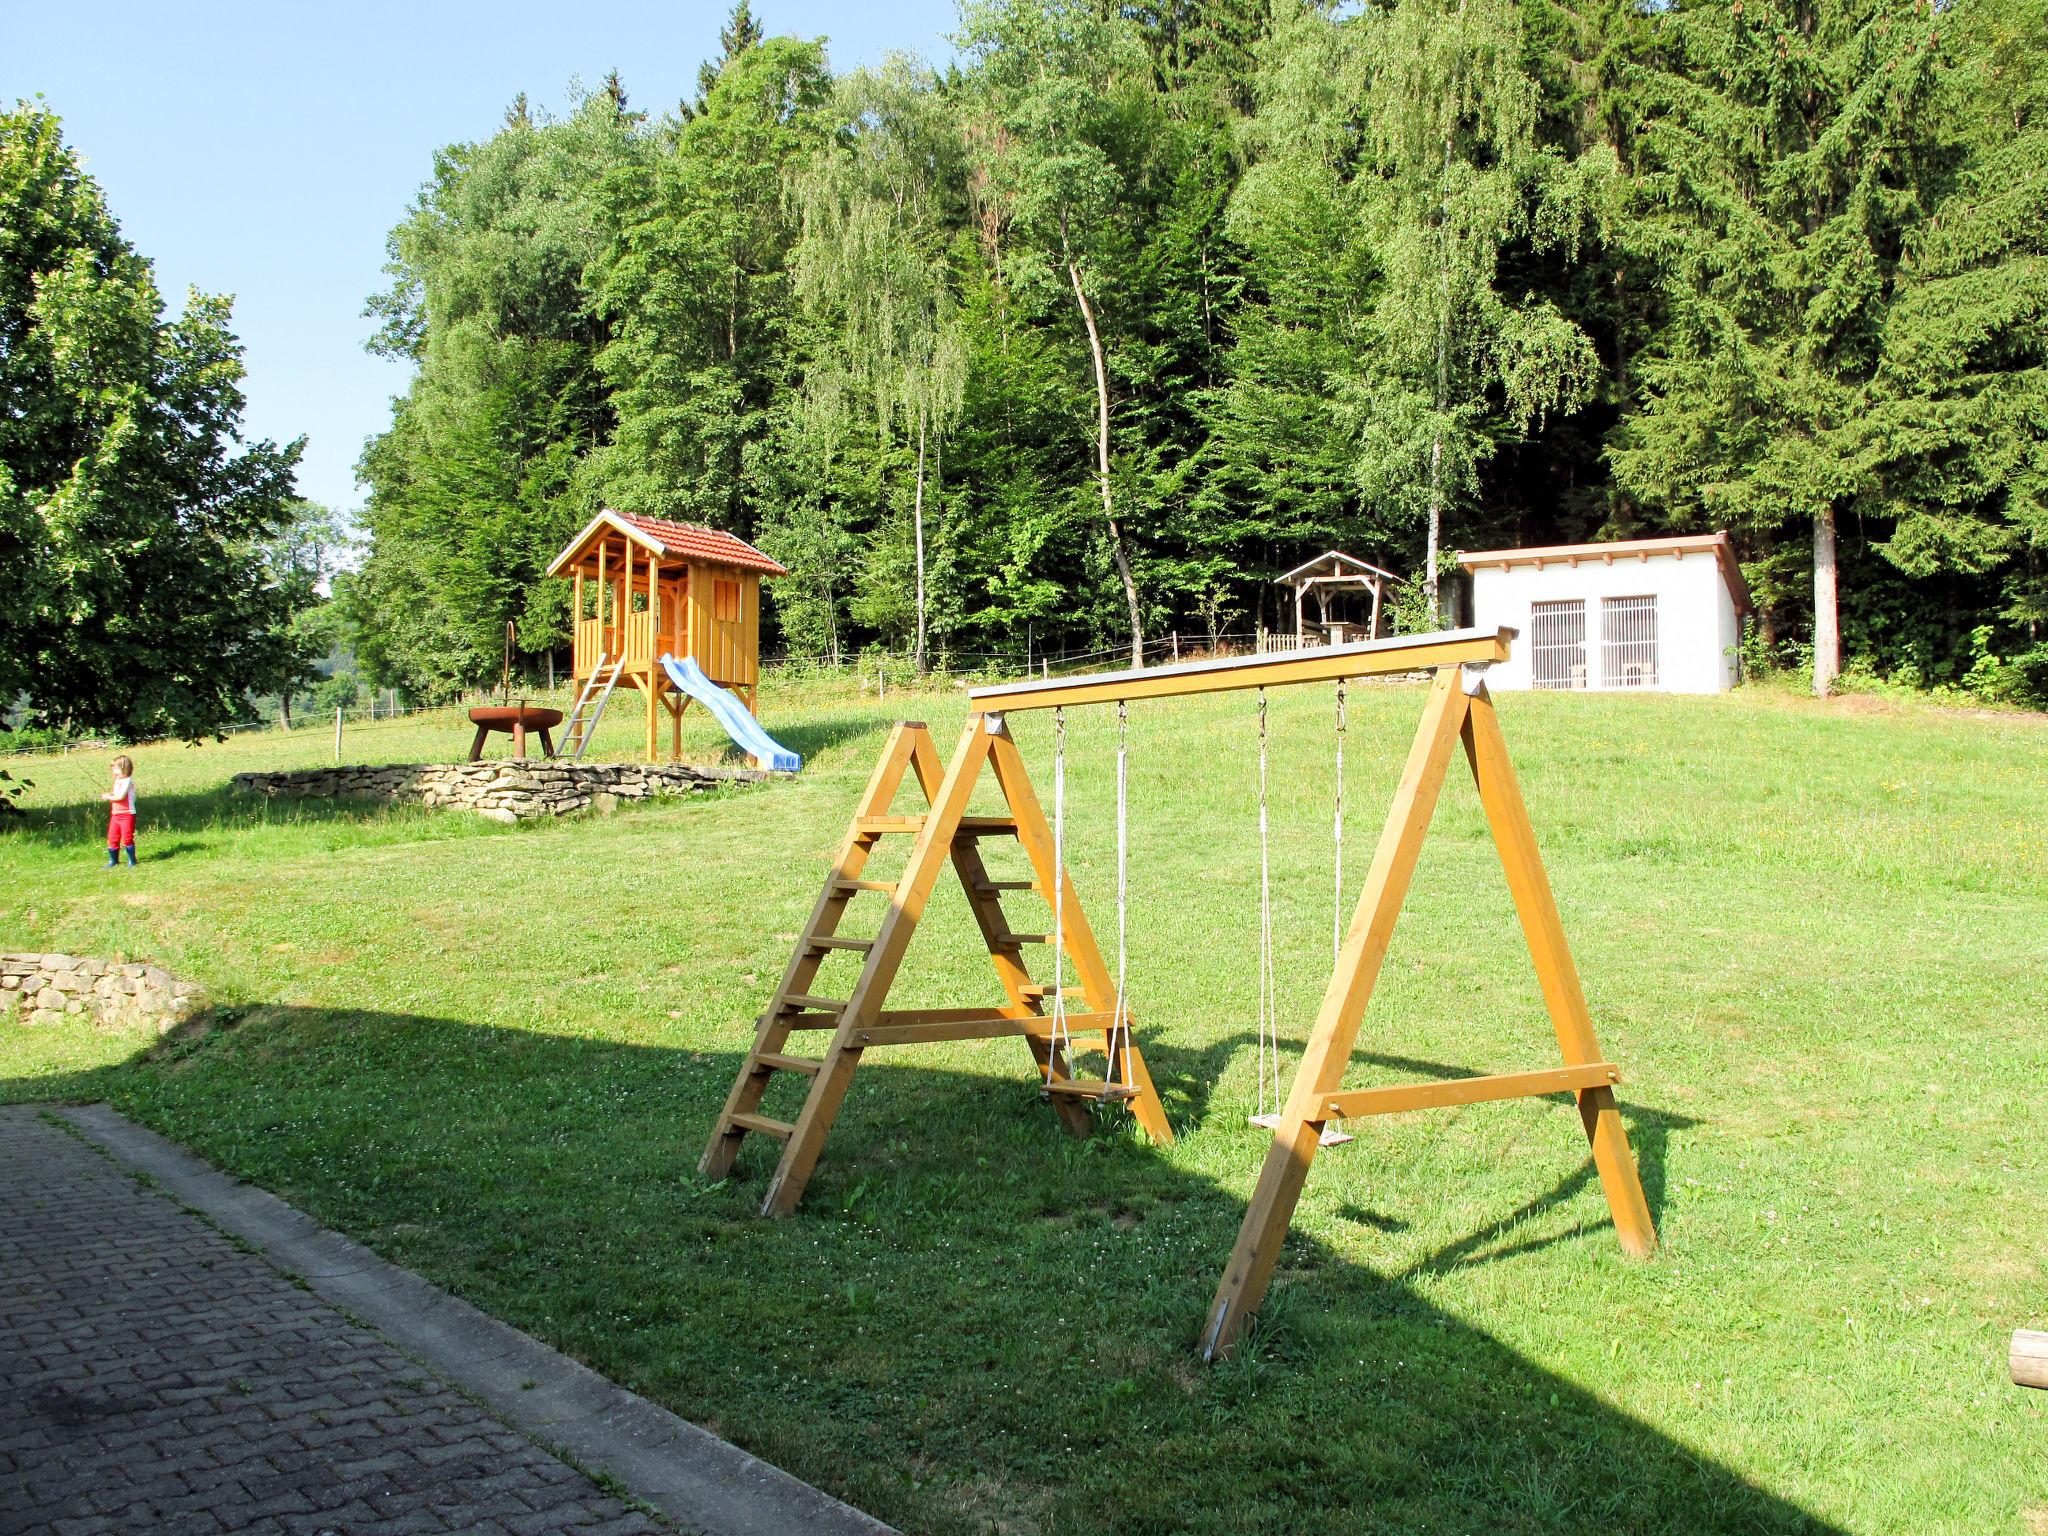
(1811, 935)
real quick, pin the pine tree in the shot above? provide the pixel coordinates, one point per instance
(1783, 153)
(1955, 427)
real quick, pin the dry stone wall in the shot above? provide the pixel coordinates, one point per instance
(43, 988)
(506, 790)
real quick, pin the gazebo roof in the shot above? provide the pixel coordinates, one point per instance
(1333, 563)
(670, 541)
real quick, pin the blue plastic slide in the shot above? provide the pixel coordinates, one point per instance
(738, 720)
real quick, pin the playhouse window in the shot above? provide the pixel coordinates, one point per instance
(1557, 644)
(1628, 642)
(725, 600)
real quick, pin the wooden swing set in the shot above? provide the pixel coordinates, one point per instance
(1044, 1015)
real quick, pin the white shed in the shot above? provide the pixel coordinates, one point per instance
(1636, 613)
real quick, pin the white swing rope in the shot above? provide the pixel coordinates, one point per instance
(1337, 837)
(1269, 1003)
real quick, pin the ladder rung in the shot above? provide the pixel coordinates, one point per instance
(865, 885)
(878, 824)
(767, 1127)
(772, 1061)
(970, 826)
(835, 942)
(803, 1002)
(1088, 1088)
(991, 887)
(1011, 940)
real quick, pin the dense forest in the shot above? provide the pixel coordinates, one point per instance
(1095, 330)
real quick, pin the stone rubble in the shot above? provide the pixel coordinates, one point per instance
(506, 790)
(42, 988)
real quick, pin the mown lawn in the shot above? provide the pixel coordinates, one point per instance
(1812, 935)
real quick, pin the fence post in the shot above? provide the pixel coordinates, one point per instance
(337, 733)
(1176, 645)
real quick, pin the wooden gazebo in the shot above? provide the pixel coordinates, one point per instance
(1328, 577)
(646, 587)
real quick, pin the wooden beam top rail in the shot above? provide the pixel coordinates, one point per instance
(1363, 658)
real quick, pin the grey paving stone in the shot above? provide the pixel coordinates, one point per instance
(152, 1374)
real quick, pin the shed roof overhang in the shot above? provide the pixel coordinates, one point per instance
(1717, 545)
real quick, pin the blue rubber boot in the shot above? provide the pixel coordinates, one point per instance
(113, 858)
(131, 855)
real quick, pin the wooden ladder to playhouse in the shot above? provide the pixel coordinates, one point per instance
(945, 833)
(583, 717)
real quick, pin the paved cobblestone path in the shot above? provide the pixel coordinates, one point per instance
(155, 1377)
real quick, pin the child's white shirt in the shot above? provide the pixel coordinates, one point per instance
(124, 795)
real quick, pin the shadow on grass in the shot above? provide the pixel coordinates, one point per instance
(974, 1323)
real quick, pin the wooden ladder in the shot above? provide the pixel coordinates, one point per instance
(943, 834)
(583, 718)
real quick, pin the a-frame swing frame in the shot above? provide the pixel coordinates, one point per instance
(1459, 711)
(944, 835)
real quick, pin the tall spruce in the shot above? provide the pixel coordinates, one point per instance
(1785, 150)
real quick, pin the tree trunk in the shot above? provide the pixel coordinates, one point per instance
(284, 708)
(1827, 631)
(1436, 447)
(1116, 537)
(917, 525)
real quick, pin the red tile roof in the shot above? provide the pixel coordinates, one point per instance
(690, 541)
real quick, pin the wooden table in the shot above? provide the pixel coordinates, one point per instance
(516, 720)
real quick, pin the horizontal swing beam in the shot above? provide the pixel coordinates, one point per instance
(1469, 1090)
(1364, 658)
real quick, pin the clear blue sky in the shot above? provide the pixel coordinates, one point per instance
(265, 150)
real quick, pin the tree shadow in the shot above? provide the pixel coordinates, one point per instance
(973, 1321)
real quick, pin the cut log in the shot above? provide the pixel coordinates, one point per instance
(2030, 1357)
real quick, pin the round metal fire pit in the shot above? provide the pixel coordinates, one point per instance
(516, 720)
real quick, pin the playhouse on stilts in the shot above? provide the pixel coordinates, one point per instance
(674, 610)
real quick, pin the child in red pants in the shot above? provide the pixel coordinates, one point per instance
(121, 822)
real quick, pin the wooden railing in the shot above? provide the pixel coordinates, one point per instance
(634, 638)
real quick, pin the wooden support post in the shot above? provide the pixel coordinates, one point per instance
(603, 594)
(1555, 973)
(1295, 1139)
(650, 682)
(576, 627)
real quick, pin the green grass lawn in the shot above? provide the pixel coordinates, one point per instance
(1812, 936)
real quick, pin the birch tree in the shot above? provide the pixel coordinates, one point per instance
(1456, 175)
(871, 267)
